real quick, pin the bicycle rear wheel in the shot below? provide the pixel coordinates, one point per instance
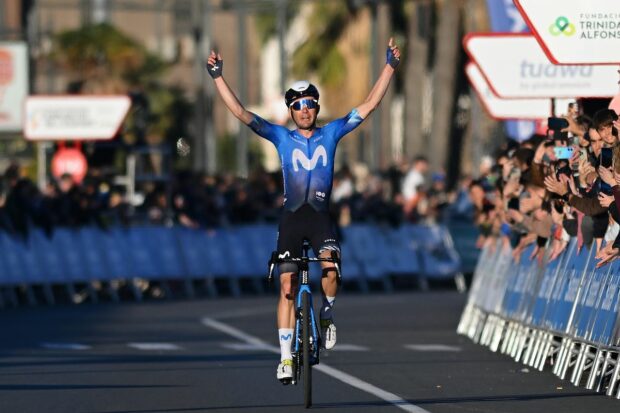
(305, 335)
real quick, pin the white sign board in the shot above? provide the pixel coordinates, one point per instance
(575, 31)
(502, 109)
(515, 66)
(74, 117)
(13, 84)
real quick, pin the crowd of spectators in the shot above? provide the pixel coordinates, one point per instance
(549, 189)
(407, 193)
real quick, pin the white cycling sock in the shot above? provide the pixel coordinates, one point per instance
(326, 308)
(286, 339)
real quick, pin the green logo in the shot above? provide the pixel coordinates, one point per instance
(562, 26)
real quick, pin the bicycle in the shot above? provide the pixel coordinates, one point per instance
(306, 338)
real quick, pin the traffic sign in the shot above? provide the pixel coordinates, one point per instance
(69, 161)
(515, 66)
(503, 109)
(575, 32)
(74, 117)
(13, 84)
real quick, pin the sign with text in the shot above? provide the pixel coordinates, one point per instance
(69, 161)
(499, 108)
(74, 117)
(575, 31)
(515, 66)
(13, 84)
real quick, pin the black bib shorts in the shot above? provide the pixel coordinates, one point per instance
(304, 224)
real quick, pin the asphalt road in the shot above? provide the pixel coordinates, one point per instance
(395, 353)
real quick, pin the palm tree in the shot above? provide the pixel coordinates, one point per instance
(100, 56)
(337, 51)
(103, 60)
(428, 73)
(444, 79)
(319, 53)
(416, 71)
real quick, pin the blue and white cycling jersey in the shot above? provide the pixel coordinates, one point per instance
(307, 163)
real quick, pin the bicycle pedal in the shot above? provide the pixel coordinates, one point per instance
(286, 382)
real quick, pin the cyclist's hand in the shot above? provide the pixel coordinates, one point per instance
(215, 64)
(392, 54)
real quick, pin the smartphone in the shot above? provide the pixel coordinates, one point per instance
(565, 170)
(604, 187)
(557, 123)
(513, 203)
(606, 158)
(563, 152)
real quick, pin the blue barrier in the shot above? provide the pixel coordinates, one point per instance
(50, 259)
(89, 246)
(196, 262)
(115, 250)
(13, 269)
(86, 255)
(369, 250)
(573, 274)
(465, 234)
(605, 319)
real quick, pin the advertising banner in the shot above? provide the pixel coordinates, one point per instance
(575, 32)
(13, 85)
(502, 109)
(74, 117)
(515, 66)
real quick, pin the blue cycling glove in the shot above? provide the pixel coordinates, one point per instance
(390, 59)
(215, 70)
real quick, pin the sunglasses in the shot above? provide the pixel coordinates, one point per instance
(309, 103)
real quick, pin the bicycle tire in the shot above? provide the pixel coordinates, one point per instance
(305, 334)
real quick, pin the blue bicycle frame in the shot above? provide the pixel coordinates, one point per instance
(302, 289)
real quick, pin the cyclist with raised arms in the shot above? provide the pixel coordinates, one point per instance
(307, 157)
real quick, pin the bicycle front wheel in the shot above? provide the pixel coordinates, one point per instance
(306, 351)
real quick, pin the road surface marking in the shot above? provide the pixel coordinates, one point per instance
(65, 346)
(241, 346)
(349, 347)
(154, 346)
(432, 347)
(330, 371)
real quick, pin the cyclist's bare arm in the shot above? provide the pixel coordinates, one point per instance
(382, 83)
(214, 64)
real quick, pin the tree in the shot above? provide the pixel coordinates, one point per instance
(419, 35)
(444, 79)
(103, 60)
(319, 53)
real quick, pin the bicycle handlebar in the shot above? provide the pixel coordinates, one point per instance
(275, 259)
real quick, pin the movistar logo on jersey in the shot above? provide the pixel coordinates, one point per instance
(300, 158)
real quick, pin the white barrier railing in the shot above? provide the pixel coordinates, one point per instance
(562, 313)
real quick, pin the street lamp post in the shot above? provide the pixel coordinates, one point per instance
(243, 135)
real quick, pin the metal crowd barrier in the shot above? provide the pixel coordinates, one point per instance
(563, 314)
(83, 263)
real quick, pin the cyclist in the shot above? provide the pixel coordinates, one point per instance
(307, 156)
